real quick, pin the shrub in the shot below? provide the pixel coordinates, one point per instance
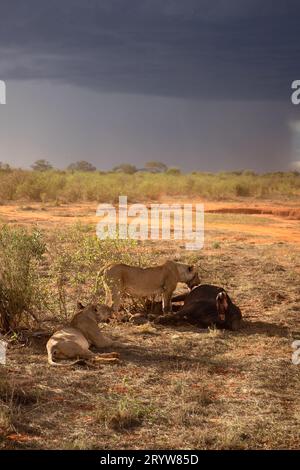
(36, 278)
(76, 260)
(173, 171)
(242, 189)
(21, 253)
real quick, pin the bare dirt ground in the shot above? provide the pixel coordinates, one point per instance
(222, 217)
(176, 387)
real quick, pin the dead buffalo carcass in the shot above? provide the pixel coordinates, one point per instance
(205, 305)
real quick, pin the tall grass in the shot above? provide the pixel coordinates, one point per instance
(63, 186)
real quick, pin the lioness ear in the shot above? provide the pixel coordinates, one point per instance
(80, 306)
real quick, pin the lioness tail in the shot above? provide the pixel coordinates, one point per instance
(50, 351)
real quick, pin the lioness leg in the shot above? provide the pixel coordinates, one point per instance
(108, 296)
(111, 359)
(99, 340)
(109, 355)
(112, 293)
(116, 298)
(166, 301)
(72, 351)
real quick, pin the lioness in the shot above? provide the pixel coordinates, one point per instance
(75, 340)
(146, 282)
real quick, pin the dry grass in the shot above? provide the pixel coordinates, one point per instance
(60, 186)
(175, 387)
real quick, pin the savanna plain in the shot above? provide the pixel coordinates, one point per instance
(175, 387)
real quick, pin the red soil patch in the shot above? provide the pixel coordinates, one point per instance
(286, 215)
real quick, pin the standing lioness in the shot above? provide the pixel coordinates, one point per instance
(145, 282)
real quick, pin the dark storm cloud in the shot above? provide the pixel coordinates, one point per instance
(223, 49)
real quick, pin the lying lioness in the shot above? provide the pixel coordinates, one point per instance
(75, 340)
(146, 282)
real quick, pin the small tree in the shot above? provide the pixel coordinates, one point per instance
(41, 165)
(125, 168)
(4, 166)
(156, 166)
(173, 171)
(82, 165)
(249, 173)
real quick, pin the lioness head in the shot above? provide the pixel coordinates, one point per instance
(195, 281)
(187, 273)
(100, 312)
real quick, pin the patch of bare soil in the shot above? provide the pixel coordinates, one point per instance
(283, 218)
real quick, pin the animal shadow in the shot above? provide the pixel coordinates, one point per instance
(263, 328)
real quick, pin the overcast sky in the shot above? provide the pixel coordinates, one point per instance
(200, 84)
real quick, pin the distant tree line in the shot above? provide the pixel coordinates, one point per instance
(84, 166)
(153, 166)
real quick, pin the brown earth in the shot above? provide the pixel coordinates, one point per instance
(284, 219)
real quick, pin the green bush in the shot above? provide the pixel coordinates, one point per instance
(21, 254)
(40, 280)
(76, 261)
(242, 189)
